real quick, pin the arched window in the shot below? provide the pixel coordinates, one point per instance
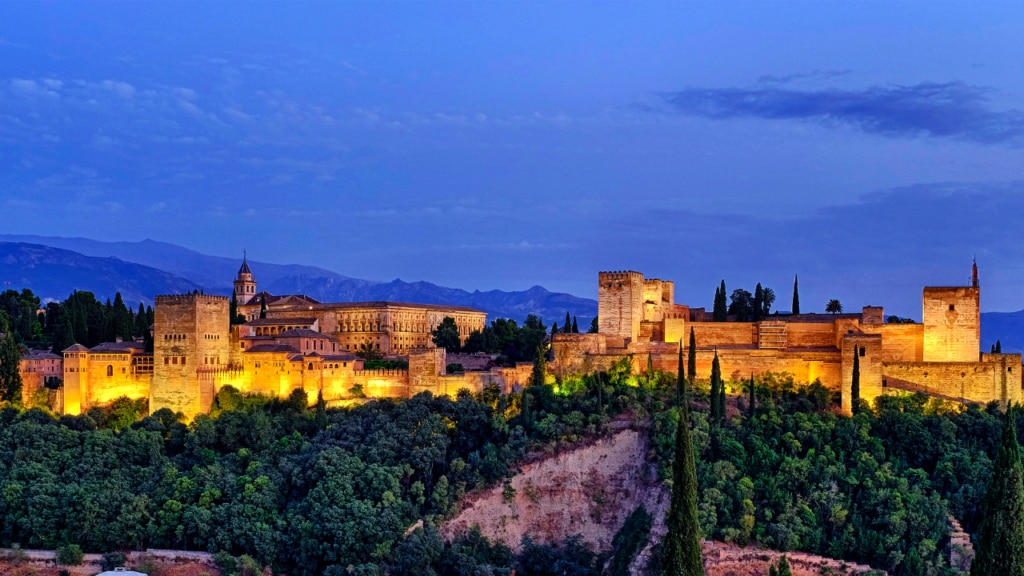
(110, 371)
(310, 365)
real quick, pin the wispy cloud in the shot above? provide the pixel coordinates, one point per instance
(940, 110)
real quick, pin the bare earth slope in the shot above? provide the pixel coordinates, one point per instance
(590, 491)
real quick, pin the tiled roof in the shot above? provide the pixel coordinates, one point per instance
(76, 348)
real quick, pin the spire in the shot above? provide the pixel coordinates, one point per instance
(245, 264)
(974, 273)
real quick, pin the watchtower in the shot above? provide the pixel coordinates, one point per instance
(190, 333)
(952, 322)
(620, 304)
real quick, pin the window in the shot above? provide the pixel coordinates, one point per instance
(952, 307)
(110, 371)
(862, 351)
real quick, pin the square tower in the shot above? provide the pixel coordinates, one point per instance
(620, 304)
(190, 334)
(952, 324)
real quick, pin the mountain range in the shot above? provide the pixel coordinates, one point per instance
(52, 267)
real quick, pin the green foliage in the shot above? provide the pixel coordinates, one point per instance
(593, 326)
(629, 540)
(69, 555)
(873, 489)
(446, 335)
(386, 365)
(10, 357)
(780, 568)
(111, 560)
(570, 558)
(834, 307)
(1001, 538)
(513, 343)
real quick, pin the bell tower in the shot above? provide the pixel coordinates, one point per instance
(245, 286)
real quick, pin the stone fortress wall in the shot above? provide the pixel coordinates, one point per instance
(940, 356)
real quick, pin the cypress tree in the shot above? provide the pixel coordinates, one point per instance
(714, 307)
(682, 553)
(263, 308)
(680, 381)
(233, 309)
(691, 360)
(758, 302)
(575, 327)
(721, 400)
(540, 368)
(999, 347)
(855, 383)
(554, 328)
(320, 417)
(141, 321)
(650, 365)
(796, 294)
(721, 310)
(780, 568)
(1001, 537)
(716, 377)
(567, 328)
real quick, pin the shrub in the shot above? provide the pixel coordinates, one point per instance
(70, 555)
(111, 560)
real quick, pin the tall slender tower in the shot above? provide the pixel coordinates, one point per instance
(245, 285)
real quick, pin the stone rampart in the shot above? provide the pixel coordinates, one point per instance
(997, 379)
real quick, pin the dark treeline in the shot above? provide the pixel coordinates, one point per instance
(512, 342)
(81, 318)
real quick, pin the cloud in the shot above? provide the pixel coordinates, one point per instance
(122, 89)
(815, 75)
(32, 88)
(951, 110)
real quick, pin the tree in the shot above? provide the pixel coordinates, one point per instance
(446, 335)
(855, 382)
(716, 394)
(796, 294)
(681, 552)
(567, 328)
(757, 304)
(767, 301)
(834, 307)
(1001, 537)
(575, 327)
(540, 368)
(554, 329)
(780, 568)
(141, 322)
(320, 416)
(720, 309)
(741, 304)
(997, 348)
(263, 308)
(593, 326)
(691, 360)
(10, 356)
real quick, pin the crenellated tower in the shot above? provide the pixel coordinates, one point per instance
(245, 285)
(620, 304)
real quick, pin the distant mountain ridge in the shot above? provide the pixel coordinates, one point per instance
(168, 268)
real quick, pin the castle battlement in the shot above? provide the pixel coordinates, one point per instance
(620, 275)
(188, 298)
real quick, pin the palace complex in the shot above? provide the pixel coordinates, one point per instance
(289, 343)
(638, 318)
(294, 342)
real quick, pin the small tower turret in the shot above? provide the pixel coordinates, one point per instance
(245, 285)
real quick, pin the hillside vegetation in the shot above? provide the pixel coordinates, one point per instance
(316, 491)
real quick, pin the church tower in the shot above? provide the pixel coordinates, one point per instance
(245, 286)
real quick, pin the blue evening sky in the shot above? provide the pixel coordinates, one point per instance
(870, 147)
